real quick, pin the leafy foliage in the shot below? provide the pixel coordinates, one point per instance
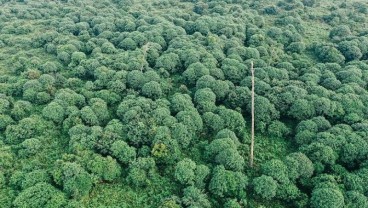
(123, 103)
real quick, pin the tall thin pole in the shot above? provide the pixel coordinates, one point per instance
(145, 48)
(251, 156)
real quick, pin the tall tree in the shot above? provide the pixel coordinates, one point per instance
(251, 156)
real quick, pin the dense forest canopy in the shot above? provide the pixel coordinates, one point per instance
(147, 103)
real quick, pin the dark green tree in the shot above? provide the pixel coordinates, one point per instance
(76, 182)
(152, 90)
(105, 168)
(355, 199)
(35, 177)
(123, 152)
(224, 151)
(194, 197)
(184, 171)
(327, 198)
(194, 72)
(234, 70)
(350, 50)
(169, 61)
(181, 102)
(40, 195)
(225, 183)
(205, 100)
(299, 166)
(265, 187)
(54, 112)
(276, 169)
(340, 32)
(141, 172)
